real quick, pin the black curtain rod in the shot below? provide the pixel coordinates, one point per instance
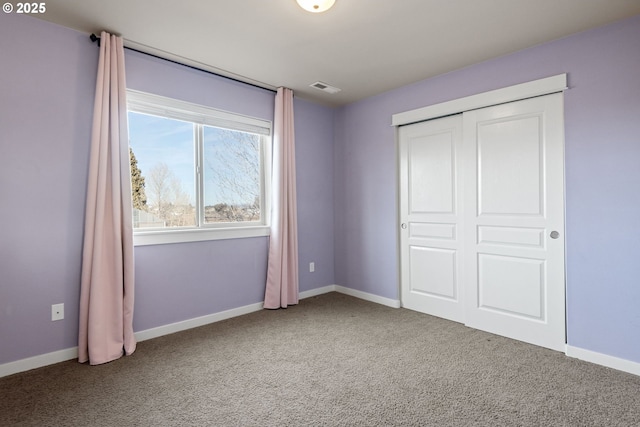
(95, 39)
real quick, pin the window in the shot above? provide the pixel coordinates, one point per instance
(196, 173)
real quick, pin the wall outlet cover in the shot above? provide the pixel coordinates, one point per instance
(57, 312)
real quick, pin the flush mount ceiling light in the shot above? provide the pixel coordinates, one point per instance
(316, 6)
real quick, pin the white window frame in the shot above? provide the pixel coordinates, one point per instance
(146, 103)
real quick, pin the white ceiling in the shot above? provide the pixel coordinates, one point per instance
(364, 47)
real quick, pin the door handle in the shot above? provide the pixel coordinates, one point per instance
(554, 234)
(404, 225)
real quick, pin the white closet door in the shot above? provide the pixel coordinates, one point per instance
(514, 220)
(430, 211)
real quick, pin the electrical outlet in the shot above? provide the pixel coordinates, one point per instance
(57, 312)
(312, 267)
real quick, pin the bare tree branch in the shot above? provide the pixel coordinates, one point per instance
(237, 177)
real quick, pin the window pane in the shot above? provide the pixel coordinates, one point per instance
(231, 176)
(163, 179)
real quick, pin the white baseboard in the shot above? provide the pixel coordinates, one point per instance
(41, 360)
(604, 360)
(196, 322)
(38, 361)
(216, 317)
(352, 292)
(235, 312)
(317, 291)
(394, 303)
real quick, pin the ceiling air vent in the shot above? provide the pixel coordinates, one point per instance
(325, 87)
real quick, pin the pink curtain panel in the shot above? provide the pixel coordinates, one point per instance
(106, 293)
(282, 274)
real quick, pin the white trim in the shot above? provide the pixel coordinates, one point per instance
(38, 361)
(215, 317)
(72, 353)
(148, 103)
(200, 115)
(196, 322)
(603, 360)
(144, 238)
(540, 87)
(317, 291)
(394, 303)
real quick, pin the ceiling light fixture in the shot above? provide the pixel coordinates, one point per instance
(316, 6)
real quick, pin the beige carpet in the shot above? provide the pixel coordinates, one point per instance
(333, 360)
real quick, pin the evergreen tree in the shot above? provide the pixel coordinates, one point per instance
(139, 196)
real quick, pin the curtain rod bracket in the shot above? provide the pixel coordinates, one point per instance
(94, 39)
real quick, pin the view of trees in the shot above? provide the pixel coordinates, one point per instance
(161, 200)
(167, 198)
(137, 183)
(237, 177)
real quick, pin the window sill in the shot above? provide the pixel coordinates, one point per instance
(146, 238)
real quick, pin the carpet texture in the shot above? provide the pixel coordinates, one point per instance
(332, 360)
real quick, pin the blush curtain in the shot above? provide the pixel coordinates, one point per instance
(282, 274)
(107, 285)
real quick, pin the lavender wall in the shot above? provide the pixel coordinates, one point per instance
(47, 76)
(314, 160)
(602, 145)
(47, 83)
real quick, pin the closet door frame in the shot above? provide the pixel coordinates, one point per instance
(546, 86)
(518, 92)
